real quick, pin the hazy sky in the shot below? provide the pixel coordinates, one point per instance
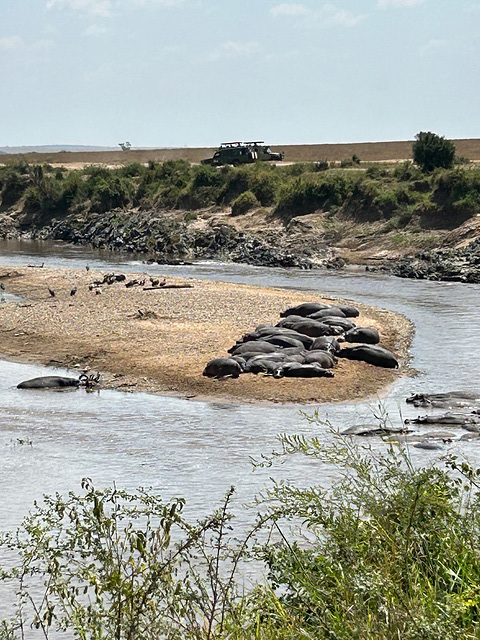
(198, 72)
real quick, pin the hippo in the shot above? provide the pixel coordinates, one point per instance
(283, 341)
(326, 343)
(449, 400)
(241, 361)
(330, 311)
(267, 366)
(367, 335)
(314, 328)
(454, 419)
(344, 323)
(323, 358)
(49, 382)
(254, 346)
(348, 310)
(297, 370)
(373, 430)
(428, 445)
(222, 368)
(282, 356)
(372, 354)
(304, 309)
(283, 331)
(288, 320)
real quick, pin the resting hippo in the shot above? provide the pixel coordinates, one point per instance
(323, 358)
(222, 367)
(450, 400)
(372, 354)
(326, 343)
(291, 333)
(263, 365)
(254, 346)
(286, 322)
(283, 341)
(297, 370)
(49, 382)
(330, 311)
(314, 328)
(349, 311)
(344, 323)
(367, 335)
(304, 309)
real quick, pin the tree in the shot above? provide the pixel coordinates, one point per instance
(431, 151)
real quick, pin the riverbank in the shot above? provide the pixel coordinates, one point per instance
(159, 341)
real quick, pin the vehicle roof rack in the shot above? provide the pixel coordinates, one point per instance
(255, 142)
(231, 144)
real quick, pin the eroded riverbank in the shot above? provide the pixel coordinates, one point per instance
(159, 341)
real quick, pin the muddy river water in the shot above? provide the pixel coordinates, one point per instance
(51, 440)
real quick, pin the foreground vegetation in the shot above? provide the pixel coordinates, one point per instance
(389, 551)
(402, 194)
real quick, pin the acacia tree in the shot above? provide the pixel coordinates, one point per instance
(431, 151)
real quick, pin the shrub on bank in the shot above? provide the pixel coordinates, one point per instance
(244, 203)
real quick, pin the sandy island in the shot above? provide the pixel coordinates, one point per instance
(159, 341)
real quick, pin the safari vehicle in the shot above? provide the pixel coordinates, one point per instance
(242, 153)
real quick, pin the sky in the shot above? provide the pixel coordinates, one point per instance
(173, 73)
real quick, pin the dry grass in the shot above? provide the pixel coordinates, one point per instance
(366, 151)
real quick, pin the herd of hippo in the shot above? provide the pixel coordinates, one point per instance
(305, 343)
(461, 410)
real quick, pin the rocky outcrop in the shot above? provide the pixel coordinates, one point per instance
(173, 238)
(457, 265)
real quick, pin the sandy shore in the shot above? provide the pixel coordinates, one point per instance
(159, 341)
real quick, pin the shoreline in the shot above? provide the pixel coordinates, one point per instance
(163, 349)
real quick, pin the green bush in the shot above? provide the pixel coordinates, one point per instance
(308, 194)
(407, 171)
(244, 203)
(431, 151)
(264, 185)
(237, 181)
(110, 193)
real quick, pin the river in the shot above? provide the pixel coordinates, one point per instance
(51, 440)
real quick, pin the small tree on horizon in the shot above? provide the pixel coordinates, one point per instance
(431, 151)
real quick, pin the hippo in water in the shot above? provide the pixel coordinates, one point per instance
(453, 419)
(372, 354)
(49, 382)
(222, 368)
(449, 400)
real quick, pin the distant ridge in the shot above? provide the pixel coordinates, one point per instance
(54, 148)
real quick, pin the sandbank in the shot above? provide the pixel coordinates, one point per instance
(159, 341)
